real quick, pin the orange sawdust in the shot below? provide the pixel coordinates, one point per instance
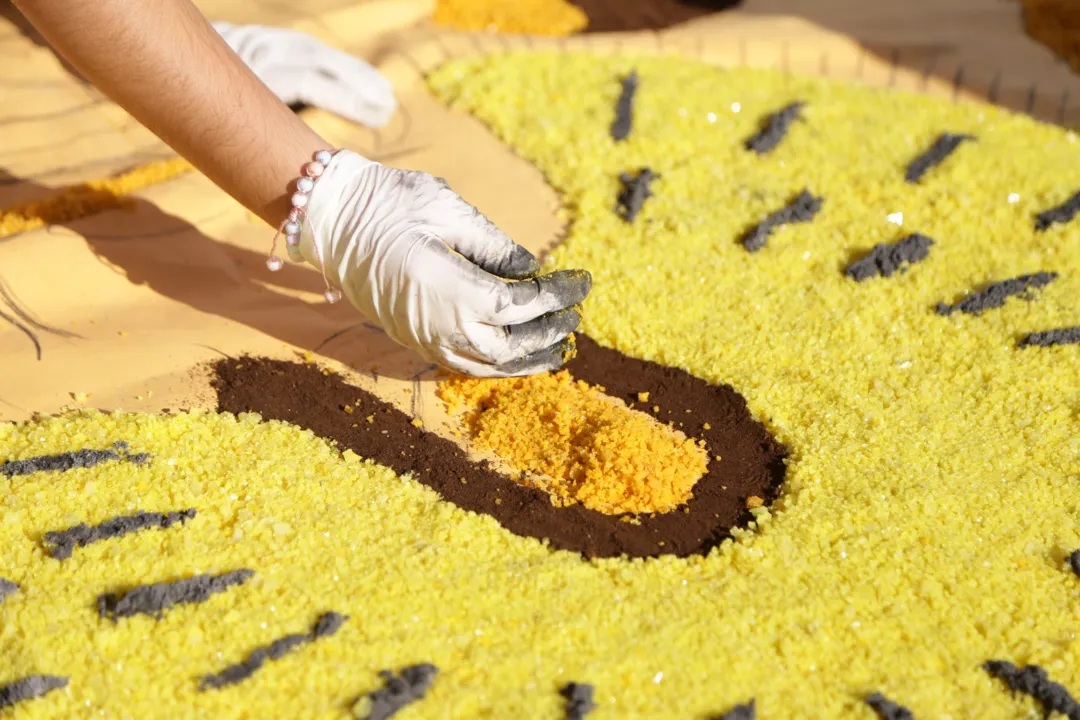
(587, 447)
(89, 198)
(530, 17)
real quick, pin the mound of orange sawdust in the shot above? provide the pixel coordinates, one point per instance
(1056, 24)
(588, 447)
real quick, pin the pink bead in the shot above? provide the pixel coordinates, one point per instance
(314, 169)
(299, 200)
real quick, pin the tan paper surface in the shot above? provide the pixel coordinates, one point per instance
(121, 309)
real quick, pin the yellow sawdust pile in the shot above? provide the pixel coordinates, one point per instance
(593, 448)
(531, 17)
(1056, 24)
(89, 198)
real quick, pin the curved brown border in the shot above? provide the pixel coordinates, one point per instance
(752, 461)
(632, 15)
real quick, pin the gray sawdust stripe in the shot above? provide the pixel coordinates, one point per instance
(71, 460)
(801, 209)
(944, 146)
(1061, 214)
(740, 712)
(624, 108)
(995, 294)
(405, 688)
(327, 625)
(775, 128)
(29, 688)
(887, 259)
(579, 700)
(1052, 338)
(1032, 680)
(7, 588)
(886, 709)
(62, 543)
(155, 599)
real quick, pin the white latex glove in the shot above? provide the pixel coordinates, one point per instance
(435, 274)
(300, 69)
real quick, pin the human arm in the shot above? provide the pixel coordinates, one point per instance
(406, 250)
(164, 63)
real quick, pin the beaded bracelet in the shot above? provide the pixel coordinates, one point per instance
(293, 224)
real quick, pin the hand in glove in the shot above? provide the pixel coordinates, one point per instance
(300, 69)
(435, 274)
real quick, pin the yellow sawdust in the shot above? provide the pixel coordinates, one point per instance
(89, 198)
(531, 17)
(590, 448)
(935, 467)
(931, 494)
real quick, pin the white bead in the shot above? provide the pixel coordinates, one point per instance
(292, 228)
(292, 240)
(332, 296)
(299, 200)
(305, 184)
(323, 157)
(274, 263)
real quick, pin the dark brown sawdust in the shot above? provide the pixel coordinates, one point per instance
(751, 465)
(630, 15)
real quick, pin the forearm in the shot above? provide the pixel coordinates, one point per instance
(164, 63)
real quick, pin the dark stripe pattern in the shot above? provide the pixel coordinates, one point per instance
(155, 599)
(327, 625)
(1050, 338)
(936, 154)
(885, 260)
(775, 128)
(634, 193)
(409, 686)
(71, 460)
(995, 294)
(1032, 680)
(886, 709)
(29, 688)
(624, 109)
(63, 542)
(579, 700)
(800, 210)
(1061, 214)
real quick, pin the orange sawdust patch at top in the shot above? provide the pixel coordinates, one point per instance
(588, 447)
(531, 17)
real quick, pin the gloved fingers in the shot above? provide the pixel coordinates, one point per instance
(499, 345)
(471, 233)
(528, 300)
(544, 360)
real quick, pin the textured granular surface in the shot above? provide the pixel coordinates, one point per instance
(532, 17)
(923, 448)
(925, 522)
(628, 15)
(586, 446)
(751, 465)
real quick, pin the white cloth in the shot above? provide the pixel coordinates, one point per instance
(435, 274)
(300, 69)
